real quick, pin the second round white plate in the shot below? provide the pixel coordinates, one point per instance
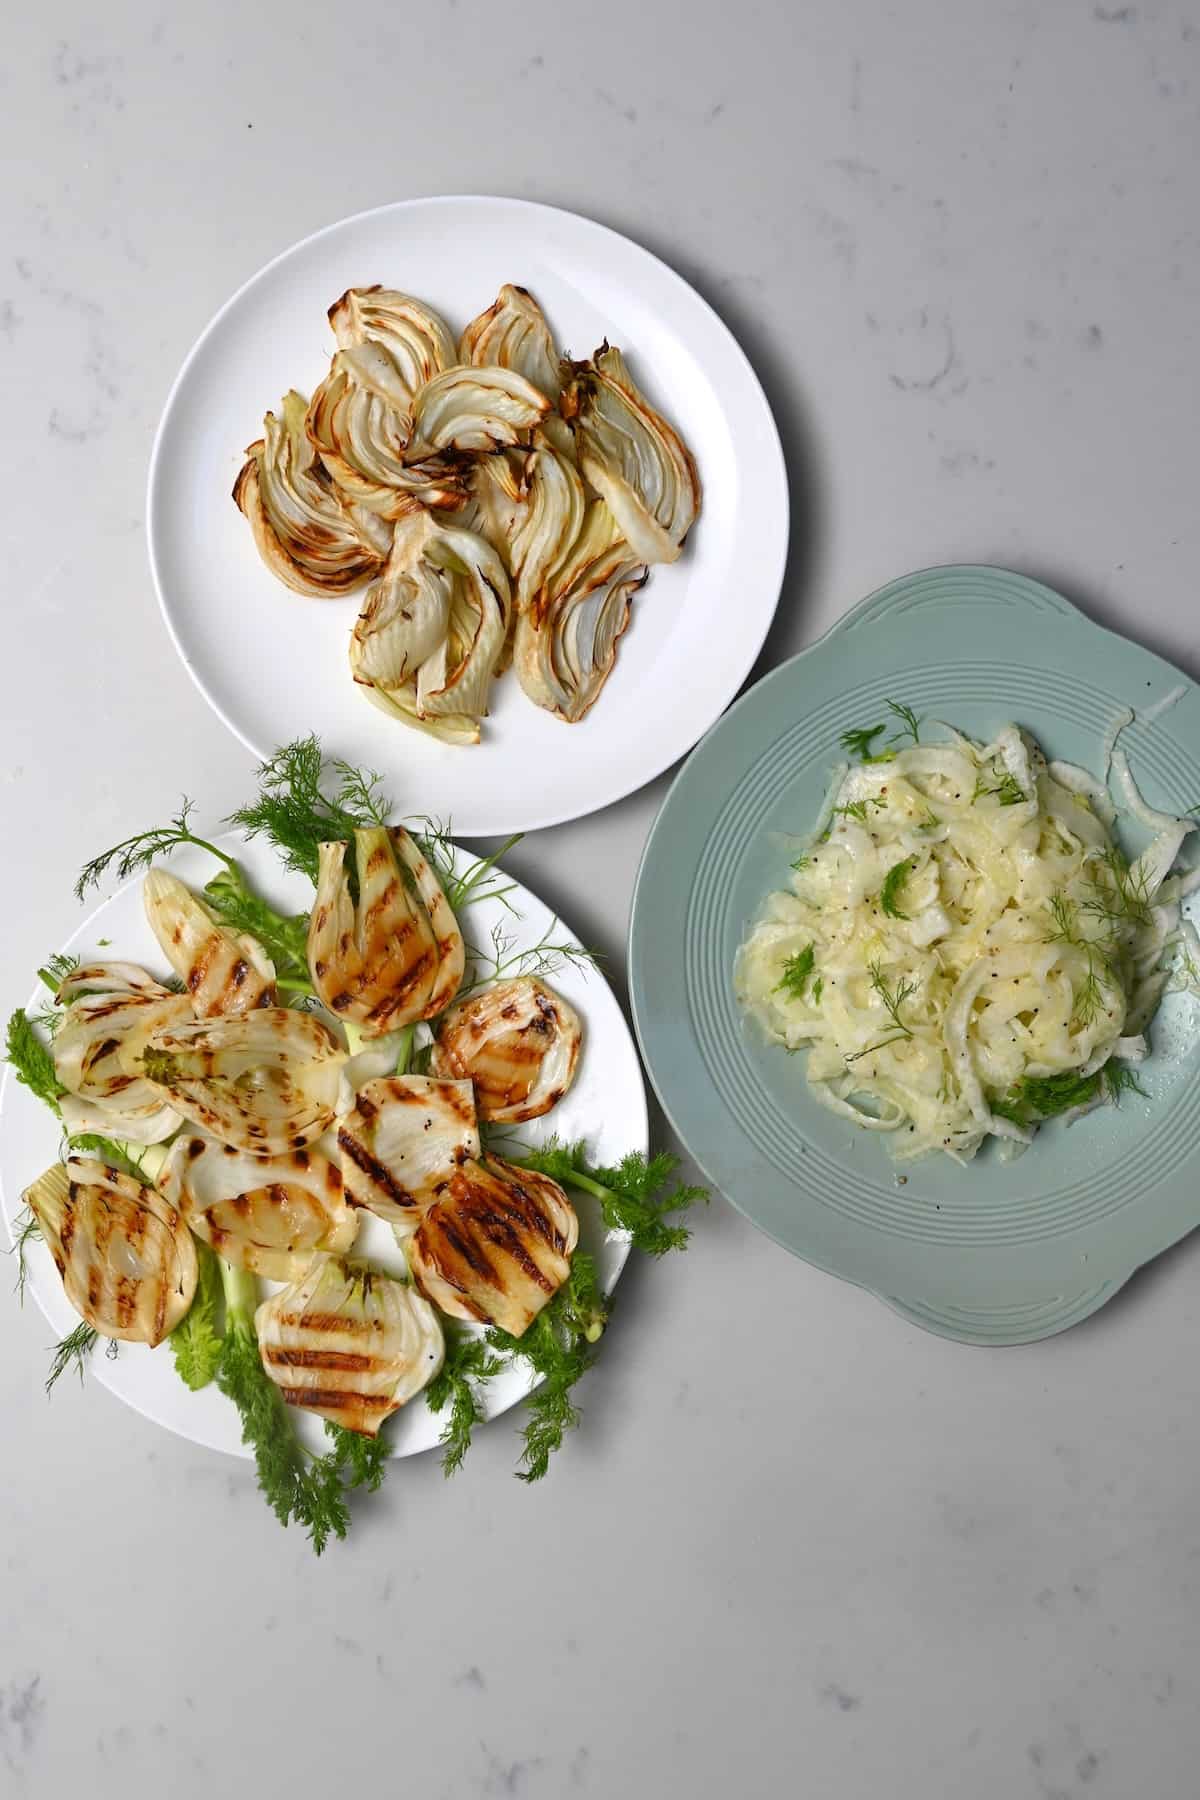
(606, 1106)
(273, 664)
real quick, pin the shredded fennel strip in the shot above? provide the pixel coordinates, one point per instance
(965, 930)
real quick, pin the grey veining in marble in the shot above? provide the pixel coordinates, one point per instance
(799, 1547)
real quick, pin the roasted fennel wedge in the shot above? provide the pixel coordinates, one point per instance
(561, 480)
(310, 535)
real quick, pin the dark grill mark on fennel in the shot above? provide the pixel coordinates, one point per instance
(464, 1247)
(354, 1362)
(335, 1400)
(375, 1171)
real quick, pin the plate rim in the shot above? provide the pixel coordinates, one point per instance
(1072, 1307)
(779, 506)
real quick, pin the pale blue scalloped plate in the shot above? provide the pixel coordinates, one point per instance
(1000, 1253)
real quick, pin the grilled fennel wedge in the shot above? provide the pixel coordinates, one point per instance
(401, 1142)
(517, 1041)
(349, 1343)
(394, 955)
(267, 1214)
(264, 1081)
(112, 1011)
(496, 1245)
(223, 971)
(127, 1260)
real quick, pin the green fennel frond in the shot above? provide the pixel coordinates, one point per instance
(559, 1347)
(796, 971)
(359, 1461)
(1040, 1097)
(196, 1341)
(1045, 1096)
(293, 811)
(481, 880)
(72, 1353)
(1120, 1079)
(859, 743)
(893, 881)
(1124, 897)
(1098, 973)
(145, 847)
(1066, 923)
(910, 725)
(1089, 996)
(893, 999)
(1007, 789)
(30, 1060)
(503, 960)
(635, 1196)
(468, 1365)
(857, 809)
(26, 1231)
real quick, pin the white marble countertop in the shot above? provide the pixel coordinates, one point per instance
(846, 1560)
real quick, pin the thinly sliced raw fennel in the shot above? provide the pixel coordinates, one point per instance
(263, 1081)
(964, 925)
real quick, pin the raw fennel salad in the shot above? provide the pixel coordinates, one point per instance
(964, 949)
(232, 1122)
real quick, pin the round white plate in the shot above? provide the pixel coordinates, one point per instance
(273, 664)
(606, 1105)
